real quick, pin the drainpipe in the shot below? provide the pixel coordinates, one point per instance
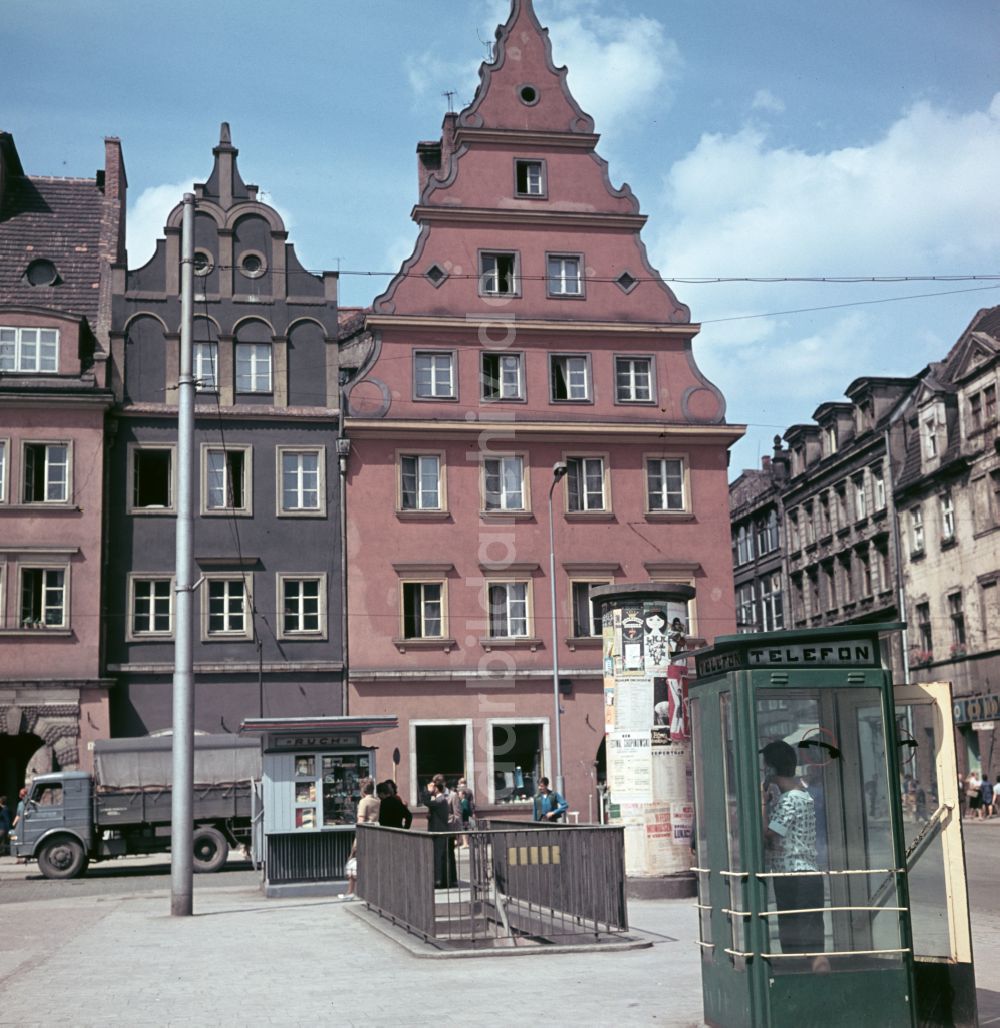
(343, 452)
(897, 548)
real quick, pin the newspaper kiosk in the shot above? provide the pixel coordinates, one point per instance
(309, 792)
(818, 903)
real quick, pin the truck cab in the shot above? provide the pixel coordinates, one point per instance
(57, 826)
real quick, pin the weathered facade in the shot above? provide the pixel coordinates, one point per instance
(839, 513)
(527, 330)
(267, 534)
(59, 238)
(948, 497)
(756, 515)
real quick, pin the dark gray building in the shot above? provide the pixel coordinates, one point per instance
(268, 530)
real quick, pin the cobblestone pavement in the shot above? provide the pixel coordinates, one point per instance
(120, 959)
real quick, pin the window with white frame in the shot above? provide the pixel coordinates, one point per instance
(744, 545)
(975, 412)
(665, 483)
(633, 379)
(439, 748)
(503, 483)
(423, 610)
(860, 498)
(498, 273)
(956, 615)
(924, 632)
(947, 506)
(564, 276)
(501, 376)
(226, 607)
(151, 486)
(517, 760)
(746, 607)
(226, 483)
(585, 483)
(586, 621)
(152, 607)
(916, 529)
(205, 358)
(29, 350)
(865, 572)
(508, 610)
(420, 481)
(772, 603)
(434, 375)
(569, 378)
(45, 473)
(303, 605)
(302, 481)
(529, 178)
(990, 405)
(878, 487)
(43, 598)
(253, 368)
(794, 539)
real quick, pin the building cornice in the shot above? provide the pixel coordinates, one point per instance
(422, 676)
(247, 413)
(525, 137)
(547, 217)
(473, 323)
(84, 396)
(391, 428)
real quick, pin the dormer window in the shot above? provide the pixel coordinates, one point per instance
(29, 350)
(830, 434)
(41, 273)
(529, 178)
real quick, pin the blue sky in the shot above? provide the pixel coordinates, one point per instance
(780, 139)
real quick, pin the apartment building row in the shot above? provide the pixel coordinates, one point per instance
(887, 508)
(374, 488)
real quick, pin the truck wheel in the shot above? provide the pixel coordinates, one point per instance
(62, 858)
(210, 850)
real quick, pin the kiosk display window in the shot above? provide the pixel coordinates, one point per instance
(327, 788)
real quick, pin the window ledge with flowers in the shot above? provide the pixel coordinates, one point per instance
(958, 650)
(921, 658)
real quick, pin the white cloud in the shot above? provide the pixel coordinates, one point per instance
(146, 217)
(920, 199)
(618, 65)
(765, 100)
(148, 213)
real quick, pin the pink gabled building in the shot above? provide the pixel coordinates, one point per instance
(527, 329)
(58, 240)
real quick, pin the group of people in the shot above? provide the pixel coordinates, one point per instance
(379, 804)
(980, 794)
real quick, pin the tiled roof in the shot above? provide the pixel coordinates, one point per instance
(59, 220)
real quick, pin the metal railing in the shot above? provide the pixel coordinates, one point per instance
(515, 883)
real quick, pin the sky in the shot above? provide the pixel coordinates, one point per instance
(783, 139)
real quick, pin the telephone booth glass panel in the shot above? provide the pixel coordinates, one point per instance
(830, 868)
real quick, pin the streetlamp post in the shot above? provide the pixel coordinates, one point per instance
(559, 470)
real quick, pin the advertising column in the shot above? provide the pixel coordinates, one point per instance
(646, 729)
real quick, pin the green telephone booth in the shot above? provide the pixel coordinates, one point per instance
(800, 753)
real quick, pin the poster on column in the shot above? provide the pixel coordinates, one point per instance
(632, 632)
(630, 772)
(634, 704)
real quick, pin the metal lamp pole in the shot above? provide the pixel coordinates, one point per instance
(559, 470)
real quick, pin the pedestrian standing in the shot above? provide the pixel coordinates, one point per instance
(548, 804)
(987, 793)
(973, 794)
(392, 811)
(367, 813)
(22, 799)
(438, 822)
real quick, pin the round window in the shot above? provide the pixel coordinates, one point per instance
(252, 264)
(528, 95)
(203, 262)
(41, 273)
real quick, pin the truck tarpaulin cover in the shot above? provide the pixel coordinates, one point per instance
(147, 763)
